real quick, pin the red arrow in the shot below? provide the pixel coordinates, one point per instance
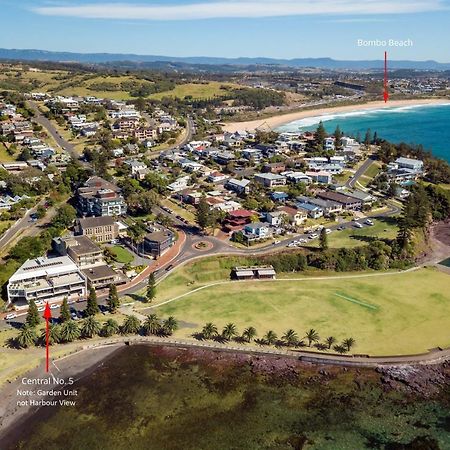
(386, 93)
(47, 317)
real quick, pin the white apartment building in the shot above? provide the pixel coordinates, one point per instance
(46, 279)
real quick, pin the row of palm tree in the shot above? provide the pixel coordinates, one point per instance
(289, 339)
(90, 327)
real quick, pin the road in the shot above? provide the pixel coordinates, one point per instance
(351, 183)
(45, 123)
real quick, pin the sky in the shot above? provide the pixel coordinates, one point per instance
(230, 28)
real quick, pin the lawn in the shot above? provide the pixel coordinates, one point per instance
(197, 90)
(398, 313)
(372, 171)
(122, 255)
(179, 211)
(385, 228)
(4, 155)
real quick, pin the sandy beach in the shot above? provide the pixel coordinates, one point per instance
(282, 119)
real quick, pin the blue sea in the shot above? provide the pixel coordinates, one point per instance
(428, 125)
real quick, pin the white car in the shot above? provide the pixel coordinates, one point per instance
(358, 225)
(313, 236)
(328, 231)
(369, 222)
(10, 316)
(39, 302)
(54, 306)
(303, 241)
(291, 244)
(276, 242)
(41, 309)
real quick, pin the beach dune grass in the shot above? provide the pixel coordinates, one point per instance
(399, 313)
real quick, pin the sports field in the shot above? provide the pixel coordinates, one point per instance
(399, 313)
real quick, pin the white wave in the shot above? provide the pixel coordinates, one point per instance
(314, 120)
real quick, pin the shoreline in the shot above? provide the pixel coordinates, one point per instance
(283, 119)
(78, 365)
(83, 362)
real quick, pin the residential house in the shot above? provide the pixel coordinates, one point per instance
(348, 203)
(238, 186)
(270, 179)
(313, 211)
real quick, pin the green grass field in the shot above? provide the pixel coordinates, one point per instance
(399, 313)
(196, 90)
(385, 228)
(122, 255)
(370, 174)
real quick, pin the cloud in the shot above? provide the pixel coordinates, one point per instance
(239, 9)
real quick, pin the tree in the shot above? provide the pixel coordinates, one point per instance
(69, 331)
(54, 334)
(203, 213)
(330, 341)
(151, 325)
(337, 138)
(90, 327)
(368, 138)
(109, 328)
(209, 331)
(151, 288)
(65, 215)
(270, 337)
(348, 343)
(92, 306)
(312, 336)
(323, 239)
(27, 336)
(33, 318)
(169, 326)
(290, 338)
(113, 299)
(131, 325)
(64, 313)
(229, 331)
(249, 334)
(321, 134)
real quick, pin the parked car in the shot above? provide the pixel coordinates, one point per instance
(54, 306)
(41, 309)
(10, 316)
(340, 228)
(369, 222)
(276, 242)
(302, 241)
(39, 302)
(358, 225)
(313, 236)
(328, 231)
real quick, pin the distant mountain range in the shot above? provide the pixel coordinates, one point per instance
(321, 63)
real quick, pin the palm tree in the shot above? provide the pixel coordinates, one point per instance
(151, 324)
(229, 331)
(312, 336)
(54, 334)
(270, 337)
(330, 341)
(90, 328)
(209, 331)
(348, 343)
(249, 333)
(340, 349)
(27, 336)
(69, 331)
(131, 325)
(169, 326)
(290, 338)
(110, 327)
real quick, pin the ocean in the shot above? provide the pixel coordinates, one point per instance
(428, 125)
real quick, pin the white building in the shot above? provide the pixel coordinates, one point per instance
(46, 279)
